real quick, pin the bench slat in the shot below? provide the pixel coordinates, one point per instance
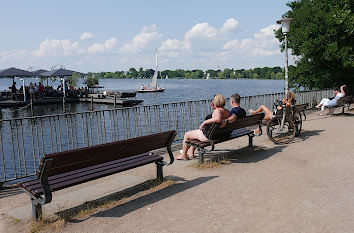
(85, 171)
(90, 175)
(89, 156)
(235, 134)
(28, 183)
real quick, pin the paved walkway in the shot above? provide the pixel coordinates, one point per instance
(306, 186)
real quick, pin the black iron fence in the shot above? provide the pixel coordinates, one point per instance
(23, 141)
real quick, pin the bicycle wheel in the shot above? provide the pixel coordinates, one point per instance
(278, 134)
(298, 123)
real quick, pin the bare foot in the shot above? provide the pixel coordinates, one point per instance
(257, 132)
(251, 111)
(190, 156)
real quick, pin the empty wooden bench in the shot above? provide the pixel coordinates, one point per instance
(68, 168)
(230, 131)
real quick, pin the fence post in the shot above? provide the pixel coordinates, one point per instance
(32, 113)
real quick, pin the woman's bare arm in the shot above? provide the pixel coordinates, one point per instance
(217, 117)
(342, 89)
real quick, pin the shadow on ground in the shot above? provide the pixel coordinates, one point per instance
(306, 134)
(140, 202)
(11, 191)
(253, 154)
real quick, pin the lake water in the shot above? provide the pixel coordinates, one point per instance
(176, 90)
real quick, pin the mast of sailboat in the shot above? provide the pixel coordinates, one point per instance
(154, 78)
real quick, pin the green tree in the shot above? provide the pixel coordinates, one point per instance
(91, 81)
(73, 79)
(132, 73)
(322, 36)
(141, 72)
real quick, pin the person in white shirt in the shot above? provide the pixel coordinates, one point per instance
(325, 102)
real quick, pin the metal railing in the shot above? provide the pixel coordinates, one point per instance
(23, 141)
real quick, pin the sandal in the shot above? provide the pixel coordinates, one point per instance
(182, 158)
(257, 133)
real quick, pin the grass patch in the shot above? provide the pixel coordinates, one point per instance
(90, 207)
(214, 163)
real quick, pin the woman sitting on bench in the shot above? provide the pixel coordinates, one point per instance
(219, 113)
(290, 100)
(325, 102)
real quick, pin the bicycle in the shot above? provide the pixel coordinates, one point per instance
(285, 125)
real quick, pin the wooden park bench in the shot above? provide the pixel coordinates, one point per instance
(230, 131)
(342, 103)
(68, 168)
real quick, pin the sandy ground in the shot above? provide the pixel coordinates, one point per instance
(305, 186)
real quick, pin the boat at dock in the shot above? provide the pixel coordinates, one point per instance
(119, 94)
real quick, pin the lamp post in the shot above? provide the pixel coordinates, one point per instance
(285, 28)
(63, 81)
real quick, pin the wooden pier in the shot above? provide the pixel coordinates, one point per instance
(115, 101)
(40, 101)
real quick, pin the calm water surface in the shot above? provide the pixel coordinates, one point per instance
(176, 90)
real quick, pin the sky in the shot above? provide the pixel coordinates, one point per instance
(108, 35)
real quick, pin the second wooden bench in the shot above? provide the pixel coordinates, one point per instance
(229, 132)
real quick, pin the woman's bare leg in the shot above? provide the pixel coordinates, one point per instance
(192, 149)
(193, 134)
(268, 113)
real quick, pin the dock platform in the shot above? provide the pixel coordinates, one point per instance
(118, 101)
(41, 101)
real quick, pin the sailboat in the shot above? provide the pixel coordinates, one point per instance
(208, 76)
(166, 76)
(153, 86)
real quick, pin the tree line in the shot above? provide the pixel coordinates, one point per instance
(256, 73)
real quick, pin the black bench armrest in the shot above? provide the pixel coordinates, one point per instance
(169, 150)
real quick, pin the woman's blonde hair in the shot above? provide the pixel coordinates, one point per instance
(219, 100)
(291, 96)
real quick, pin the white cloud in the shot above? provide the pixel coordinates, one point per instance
(86, 35)
(230, 26)
(16, 54)
(100, 48)
(53, 47)
(201, 30)
(263, 43)
(174, 44)
(151, 28)
(231, 44)
(202, 46)
(148, 35)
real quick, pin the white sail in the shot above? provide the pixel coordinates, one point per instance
(208, 76)
(154, 78)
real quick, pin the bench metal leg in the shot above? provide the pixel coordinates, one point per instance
(159, 171)
(200, 155)
(250, 140)
(343, 109)
(36, 209)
